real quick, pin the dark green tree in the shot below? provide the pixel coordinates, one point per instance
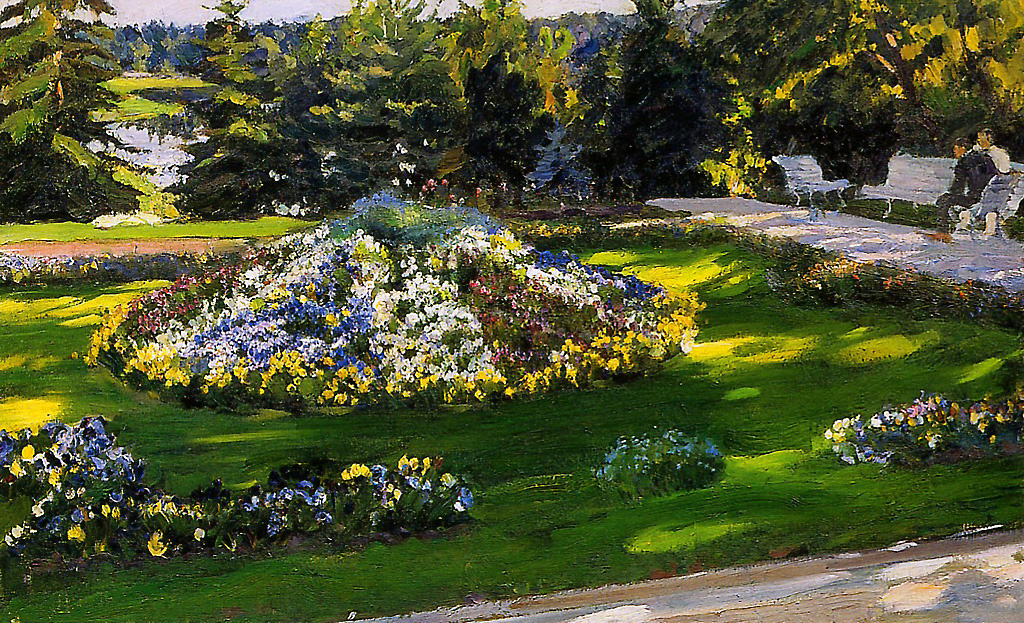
(376, 98)
(660, 122)
(244, 168)
(51, 71)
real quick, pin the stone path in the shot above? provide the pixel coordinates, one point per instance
(979, 580)
(994, 260)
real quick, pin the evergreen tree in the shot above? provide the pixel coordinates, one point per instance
(376, 98)
(51, 70)
(244, 167)
(661, 120)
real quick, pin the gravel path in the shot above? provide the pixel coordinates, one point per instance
(153, 246)
(994, 260)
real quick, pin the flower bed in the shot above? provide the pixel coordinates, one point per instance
(930, 428)
(451, 313)
(89, 496)
(653, 465)
(23, 269)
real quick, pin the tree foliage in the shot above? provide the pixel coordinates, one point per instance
(51, 70)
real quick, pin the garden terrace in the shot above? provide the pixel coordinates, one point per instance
(765, 378)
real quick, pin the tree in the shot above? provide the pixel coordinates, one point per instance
(376, 97)
(243, 169)
(515, 87)
(660, 121)
(51, 71)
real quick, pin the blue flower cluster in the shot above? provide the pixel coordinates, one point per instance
(652, 465)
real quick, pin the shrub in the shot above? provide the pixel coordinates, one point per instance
(653, 465)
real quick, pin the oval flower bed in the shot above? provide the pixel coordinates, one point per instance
(336, 316)
(89, 496)
(931, 428)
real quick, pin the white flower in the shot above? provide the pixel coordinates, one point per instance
(37, 510)
(395, 182)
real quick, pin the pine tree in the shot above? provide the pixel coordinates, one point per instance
(243, 169)
(51, 73)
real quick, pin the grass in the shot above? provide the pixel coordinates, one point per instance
(125, 85)
(267, 226)
(764, 382)
(134, 106)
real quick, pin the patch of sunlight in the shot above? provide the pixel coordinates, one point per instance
(12, 362)
(758, 469)
(857, 333)
(19, 413)
(707, 351)
(143, 286)
(668, 538)
(890, 347)
(754, 349)
(263, 435)
(82, 311)
(83, 321)
(18, 309)
(742, 393)
(781, 349)
(614, 258)
(678, 278)
(980, 369)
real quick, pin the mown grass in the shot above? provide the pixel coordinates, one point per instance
(124, 85)
(268, 226)
(765, 380)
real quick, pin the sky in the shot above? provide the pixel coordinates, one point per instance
(192, 11)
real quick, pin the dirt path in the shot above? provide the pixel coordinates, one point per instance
(126, 247)
(993, 260)
(964, 580)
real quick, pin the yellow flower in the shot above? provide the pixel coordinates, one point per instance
(105, 509)
(115, 513)
(28, 453)
(199, 534)
(75, 533)
(156, 545)
(54, 478)
(17, 469)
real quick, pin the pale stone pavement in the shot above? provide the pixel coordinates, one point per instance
(994, 260)
(975, 580)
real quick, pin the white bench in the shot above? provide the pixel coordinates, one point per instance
(805, 177)
(920, 181)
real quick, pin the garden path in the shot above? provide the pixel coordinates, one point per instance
(994, 260)
(963, 581)
(153, 246)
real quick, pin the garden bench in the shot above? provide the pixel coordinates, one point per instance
(805, 177)
(920, 181)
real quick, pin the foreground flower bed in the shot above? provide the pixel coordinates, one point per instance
(932, 427)
(89, 496)
(336, 317)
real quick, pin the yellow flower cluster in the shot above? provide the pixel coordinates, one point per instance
(158, 363)
(107, 331)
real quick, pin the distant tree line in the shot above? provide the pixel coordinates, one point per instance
(490, 106)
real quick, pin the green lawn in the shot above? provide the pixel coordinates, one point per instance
(268, 226)
(125, 84)
(764, 382)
